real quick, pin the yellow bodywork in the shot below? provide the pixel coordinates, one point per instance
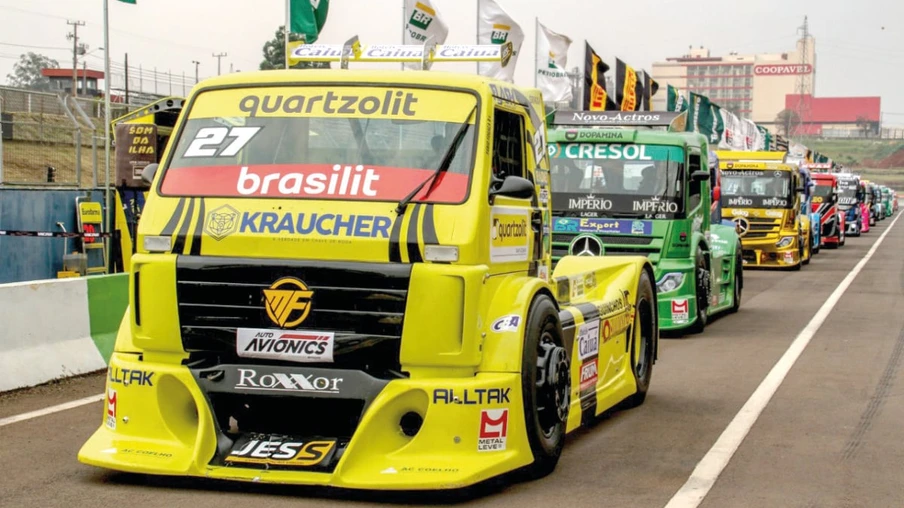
(460, 363)
(762, 229)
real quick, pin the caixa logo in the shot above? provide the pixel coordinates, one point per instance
(740, 201)
(281, 382)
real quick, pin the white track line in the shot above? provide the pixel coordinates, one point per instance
(50, 410)
(691, 494)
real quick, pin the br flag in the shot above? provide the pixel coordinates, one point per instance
(629, 89)
(595, 96)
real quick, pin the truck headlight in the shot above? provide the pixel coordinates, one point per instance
(441, 253)
(158, 243)
(670, 282)
(785, 241)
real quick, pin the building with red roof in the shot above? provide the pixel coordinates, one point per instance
(61, 81)
(836, 116)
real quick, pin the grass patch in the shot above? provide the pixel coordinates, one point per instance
(25, 162)
(893, 178)
(855, 152)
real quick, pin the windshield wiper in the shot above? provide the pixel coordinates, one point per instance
(443, 167)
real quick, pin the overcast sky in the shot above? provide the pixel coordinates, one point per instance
(859, 44)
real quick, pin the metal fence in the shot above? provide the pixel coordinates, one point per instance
(49, 139)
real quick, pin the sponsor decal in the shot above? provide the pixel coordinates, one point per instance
(588, 339)
(221, 222)
(817, 199)
(611, 307)
(680, 311)
(493, 430)
(589, 372)
(111, 404)
(789, 257)
(292, 346)
(543, 273)
(509, 234)
(599, 151)
(129, 377)
(655, 205)
(591, 225)
(291, 383)
(391, 103)
(607, 331)
(740, 201)
(544, 197)
(280, 452)
(288, 302)
(507, 323)
(323, 224)
(147, 453)
(542, 176)
(775, 202)
(782, 70)
(590, 202)
(598, 135)
(775, 214)
(577, 287)
(314, 181)
(471, 396)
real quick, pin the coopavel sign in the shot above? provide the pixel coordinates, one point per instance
(782, 70)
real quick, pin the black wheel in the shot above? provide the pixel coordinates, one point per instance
(872, 220)
(644, 333)
(701, 277)
(546, 386)
(738, 282)
(805, 249)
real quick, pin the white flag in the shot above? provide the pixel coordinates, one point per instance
(751, 135)
(551, 61)
(422, 20)
(495, 26)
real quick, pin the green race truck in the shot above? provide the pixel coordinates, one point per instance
(624, 188)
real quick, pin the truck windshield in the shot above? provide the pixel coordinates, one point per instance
(349, 143)
(756, 189)
(847, 190)
(824, 194)
(617, 180)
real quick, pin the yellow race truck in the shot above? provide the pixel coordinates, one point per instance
(344, 278)
(763, 199)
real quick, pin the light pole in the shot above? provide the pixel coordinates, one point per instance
(197, 63)
(219, 57)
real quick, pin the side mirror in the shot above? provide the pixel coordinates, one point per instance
(514, 187)
(700, 176)
(147, 174)
(717, 194)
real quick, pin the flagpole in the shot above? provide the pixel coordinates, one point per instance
(477, 32)
(536, 48)
(286, 31)
(404, 11)
(107, 120)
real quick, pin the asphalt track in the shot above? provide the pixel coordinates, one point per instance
(831, 436)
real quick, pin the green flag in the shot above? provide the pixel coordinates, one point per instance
(676, 100)
(133, 2)
(307, 17)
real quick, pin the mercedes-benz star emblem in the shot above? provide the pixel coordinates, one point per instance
(743, 225)
(586, 245)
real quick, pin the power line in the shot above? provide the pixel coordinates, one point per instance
(33, 47)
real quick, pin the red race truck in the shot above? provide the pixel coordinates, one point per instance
(825, 202)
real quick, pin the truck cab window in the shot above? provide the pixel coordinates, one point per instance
(508, 144)
(695, 187)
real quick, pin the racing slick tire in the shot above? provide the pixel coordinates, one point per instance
(738, 281)
(643, 331)
(545, 386)
(702, 283)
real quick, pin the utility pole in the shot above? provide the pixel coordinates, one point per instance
(75, 52)
(197, 63)
(804, 84)
(219, 57)
(127, 79)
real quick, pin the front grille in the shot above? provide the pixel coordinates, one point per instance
(748, 255)
(362, 303)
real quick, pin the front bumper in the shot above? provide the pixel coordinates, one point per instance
(764, 254)
(162, 422)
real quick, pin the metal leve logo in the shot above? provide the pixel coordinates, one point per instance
(288, 302)
(586, 245)
(221, 222)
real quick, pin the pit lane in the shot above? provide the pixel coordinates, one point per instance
(829, 437)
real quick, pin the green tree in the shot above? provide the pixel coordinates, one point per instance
(786, 121)
(27, 72)
(275, 53)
